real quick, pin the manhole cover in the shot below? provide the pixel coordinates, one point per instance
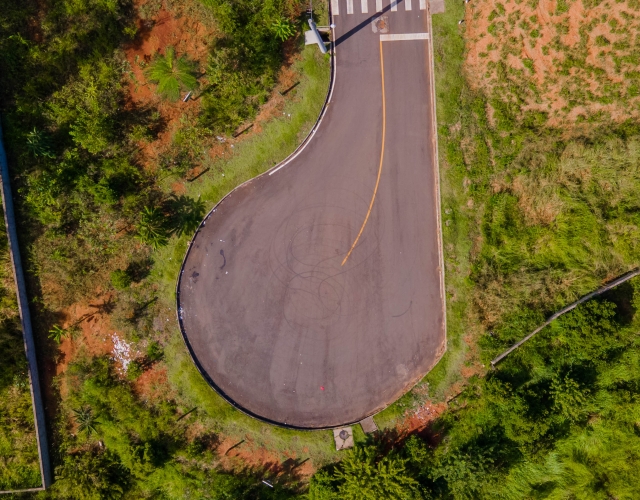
(343, 438)
(380, 25)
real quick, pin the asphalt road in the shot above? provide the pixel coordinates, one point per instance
(282, 319)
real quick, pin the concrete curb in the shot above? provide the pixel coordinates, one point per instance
(268, 172)
(436, 159)
(25, 319)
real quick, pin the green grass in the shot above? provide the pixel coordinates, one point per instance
(251, 157)
(19, 466)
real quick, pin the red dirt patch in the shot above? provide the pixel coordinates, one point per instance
(153, 385)
(571, 64)
(188, 35)
(420, 419)
(233, 455)
(95, 330)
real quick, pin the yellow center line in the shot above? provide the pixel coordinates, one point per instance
(384, 132)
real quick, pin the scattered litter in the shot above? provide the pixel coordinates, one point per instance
(220, 139)
(121, 351)
(425, 414)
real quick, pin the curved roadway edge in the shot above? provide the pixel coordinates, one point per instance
(436, 159)
(25, 319)
(282, 164)
(272, 170)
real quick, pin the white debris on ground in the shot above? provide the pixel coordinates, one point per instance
(425, 413)
(122, 351)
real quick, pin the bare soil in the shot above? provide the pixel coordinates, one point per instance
(190, 33)
(233, 455)
(573, 64)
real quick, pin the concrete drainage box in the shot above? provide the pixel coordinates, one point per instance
(343, 438)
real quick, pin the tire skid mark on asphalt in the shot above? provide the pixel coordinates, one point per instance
(384, 133)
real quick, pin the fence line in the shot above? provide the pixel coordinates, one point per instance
(609, 286)
(25, 319)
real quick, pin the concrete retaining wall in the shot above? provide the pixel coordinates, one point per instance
(25, 318)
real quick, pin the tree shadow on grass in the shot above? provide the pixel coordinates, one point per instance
(185, 214)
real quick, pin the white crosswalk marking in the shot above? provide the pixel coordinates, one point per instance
(349, 6)
(364, 6)
(407, 36)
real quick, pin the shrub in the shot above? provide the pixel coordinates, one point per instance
(283, 29)
(57, 333)
(172, 74)
(120, 279)
(152, 228)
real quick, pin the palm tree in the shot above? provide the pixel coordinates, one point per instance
(152, 229)
(283, 29)
(57, 333)
(38, 144)
(172, 74)
(85, 419)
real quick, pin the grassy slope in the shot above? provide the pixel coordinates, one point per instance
(532, 220)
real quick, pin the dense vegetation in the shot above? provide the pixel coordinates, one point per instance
(93, 209)
(19, 466)
(533, 218)
(559, 419)
(74, 137)
(118, 446)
